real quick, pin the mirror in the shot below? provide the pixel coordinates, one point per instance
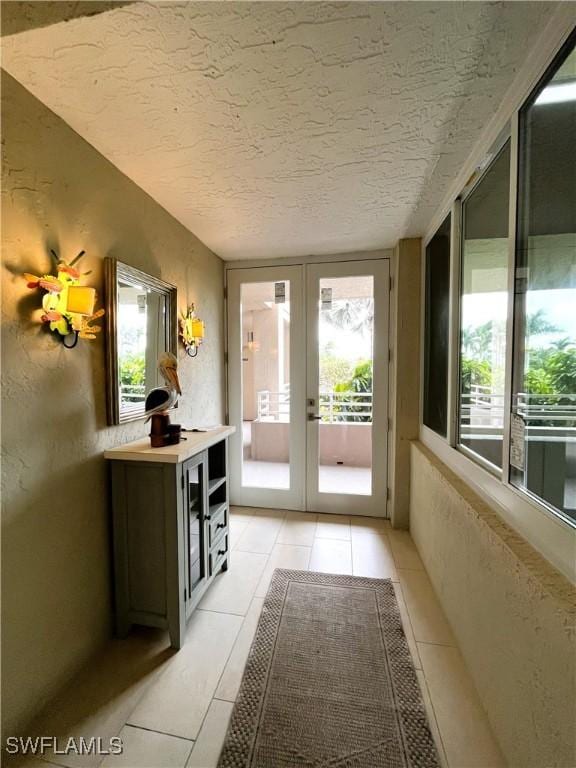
(141, 324)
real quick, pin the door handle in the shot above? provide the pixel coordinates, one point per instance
(312, 417)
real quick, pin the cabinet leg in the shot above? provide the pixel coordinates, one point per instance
(177, 632)
(225, 565)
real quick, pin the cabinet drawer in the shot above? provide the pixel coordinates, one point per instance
(217, 555)
(217, 525)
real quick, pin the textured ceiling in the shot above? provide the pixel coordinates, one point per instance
(19, 16)
(283, 129)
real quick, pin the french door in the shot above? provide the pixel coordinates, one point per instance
(308, 386)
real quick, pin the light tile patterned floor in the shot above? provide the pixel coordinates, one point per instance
(172, 709)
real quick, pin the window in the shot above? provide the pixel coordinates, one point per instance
(483, 311)
(543, 432)
(436, 329)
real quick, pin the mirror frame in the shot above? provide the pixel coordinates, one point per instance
(114, 271)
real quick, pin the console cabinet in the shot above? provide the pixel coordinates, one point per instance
(170, 528)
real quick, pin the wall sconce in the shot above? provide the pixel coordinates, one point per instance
(191, 331)
(68, 306)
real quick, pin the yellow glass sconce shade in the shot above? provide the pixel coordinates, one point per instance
(81, 300)
(192, 331)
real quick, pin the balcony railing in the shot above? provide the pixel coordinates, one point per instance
(273, 406)
(132, 393)
(345, 407)
(538, 408)
(334, 407)
(482, 412)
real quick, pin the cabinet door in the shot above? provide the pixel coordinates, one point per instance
(194, 505)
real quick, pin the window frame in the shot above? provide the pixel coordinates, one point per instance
(449, 417)
(520, 175)
(487, 162)
(544, 526)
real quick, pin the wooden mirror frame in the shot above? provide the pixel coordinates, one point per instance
(114, 271)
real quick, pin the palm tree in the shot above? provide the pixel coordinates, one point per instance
(356, 315)
(536, 324)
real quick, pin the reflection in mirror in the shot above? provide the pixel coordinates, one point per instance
(141, 339)
(142, 325)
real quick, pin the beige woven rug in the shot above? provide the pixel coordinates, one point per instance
(329, 681)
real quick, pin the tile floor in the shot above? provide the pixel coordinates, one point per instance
(172, 709)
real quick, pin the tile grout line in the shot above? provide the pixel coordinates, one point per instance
(231, 650)
(439, 645)
(442, 746)
(214, 698)
(226, 701)
(222, 613)
(155, 730)
(207, 610)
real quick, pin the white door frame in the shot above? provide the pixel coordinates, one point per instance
(293, 498)
(375, 504)
(303, 441)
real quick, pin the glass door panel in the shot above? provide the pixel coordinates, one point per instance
(265, 319)
(347, 379)
(345, 362)
(195, 513)
(266, 387)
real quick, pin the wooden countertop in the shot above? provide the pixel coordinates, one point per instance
(140, 450)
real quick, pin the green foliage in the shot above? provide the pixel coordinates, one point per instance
(537, 382)
(133, 370)
(562, 370)
(474, 372)
(551, 371)
(332, 371)
(359, 381)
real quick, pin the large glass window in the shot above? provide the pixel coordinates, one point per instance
(543, 430)
(436, 330)
(484, 290)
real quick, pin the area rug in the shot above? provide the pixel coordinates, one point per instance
(329, 681)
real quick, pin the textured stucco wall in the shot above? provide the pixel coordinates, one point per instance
(404, 401)
(59, 192)
(512, 613)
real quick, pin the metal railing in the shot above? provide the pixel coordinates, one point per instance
(273, 406)
(537, 408)
(482, 407)
(482, 411)
(334, 407)
(345, 407)
(132, 393)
